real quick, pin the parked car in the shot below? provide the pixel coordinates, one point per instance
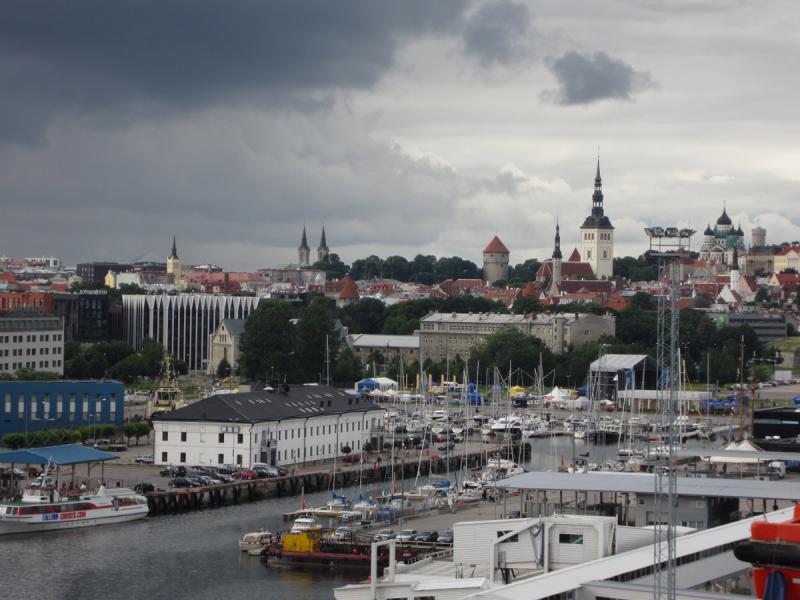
(282, 471)
(144, 488)
(144, 459)
(425, 536)
(343, 533)
(263, 472)
(173, 471)
(351, 458)
(447, 446)
(514, 514)
(446, 537)
(383, 535)
(245, 474)
(180, 482)
(405, 535)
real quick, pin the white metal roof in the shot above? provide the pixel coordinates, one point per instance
(644, 483)
(370, 340)
(570, 578)
(617, 362)
(763, 455)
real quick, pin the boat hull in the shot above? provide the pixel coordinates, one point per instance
(22, 525)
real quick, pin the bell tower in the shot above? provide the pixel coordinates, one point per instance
(304, 252)
(174, 263)
(597, 234)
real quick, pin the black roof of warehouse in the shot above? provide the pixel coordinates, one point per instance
(296, 402)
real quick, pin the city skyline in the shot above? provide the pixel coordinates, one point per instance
(427, 128)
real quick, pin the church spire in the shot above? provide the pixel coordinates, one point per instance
(557, 247)
(597, 197)
(322, 242)
(304, 239)
(174, 249)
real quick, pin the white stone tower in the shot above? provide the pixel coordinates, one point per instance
(597, 235)
(495, 261)
(759, 237)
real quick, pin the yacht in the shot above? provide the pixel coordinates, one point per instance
(304, 523)
(44, 508)
(510, 424)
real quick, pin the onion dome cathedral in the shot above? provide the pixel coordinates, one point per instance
(720, 242)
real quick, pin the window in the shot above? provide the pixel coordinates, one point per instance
(163, 457)
(220, 459)
(570, 538)
(165, 436)
(239, 459)
(183, 457)
(183, 436)
(221, 438)
(240, 438)
(512, 539)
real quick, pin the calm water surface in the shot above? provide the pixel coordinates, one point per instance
(192, 555)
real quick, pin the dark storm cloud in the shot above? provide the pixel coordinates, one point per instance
(498, 33)
(93, 56)
(587, 78)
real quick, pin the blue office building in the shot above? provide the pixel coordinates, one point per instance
(40, 405)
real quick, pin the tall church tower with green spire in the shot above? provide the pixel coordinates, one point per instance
(597, 234)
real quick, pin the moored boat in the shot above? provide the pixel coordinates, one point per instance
(45, 508)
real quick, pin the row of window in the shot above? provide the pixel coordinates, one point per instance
(30, 364)
(606, 237)
(286, 434)
(42, 405)
(30, 351)
(287, 454)
(31, 337)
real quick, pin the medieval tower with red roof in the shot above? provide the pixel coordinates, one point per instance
(495, 261)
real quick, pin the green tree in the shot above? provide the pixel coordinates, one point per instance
(28, 374)
(314, 336)
(366, 315)
(524, 272)
(267, 342)
(14, 441)
(141, 430)
(97, 365)
(152, 357)
(223, 369)
(128, 369)
(763, 295)
(396, 267)
(348, 368)
(129, 431)
(333, 266)
(509, 347)
(526, 305)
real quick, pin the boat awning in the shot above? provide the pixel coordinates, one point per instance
(66, 454)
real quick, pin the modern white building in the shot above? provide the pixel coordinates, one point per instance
(290, 425)
(183, 323)
(31, 341)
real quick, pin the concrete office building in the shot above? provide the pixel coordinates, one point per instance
(183, 323)
(31, 341)
(447, 335)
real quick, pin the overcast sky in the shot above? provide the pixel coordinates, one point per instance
(421, 126)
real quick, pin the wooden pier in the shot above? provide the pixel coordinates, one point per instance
(186, 499)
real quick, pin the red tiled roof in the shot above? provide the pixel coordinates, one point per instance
(349, 289)
(7, 276)
(615, 303)
(574, 286)
(568, 269)
(787, 250)
(496, 246)
(529, 290)
(787, 278)
(575, 256)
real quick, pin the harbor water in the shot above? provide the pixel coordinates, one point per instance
(194, 554)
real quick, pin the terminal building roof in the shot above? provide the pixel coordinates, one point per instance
(644, 483)
(66, 454)
(290, 402)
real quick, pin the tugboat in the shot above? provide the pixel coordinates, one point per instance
(321, 549)
(774, 552)
(168, 395)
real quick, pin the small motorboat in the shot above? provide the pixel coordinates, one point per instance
(255, 541)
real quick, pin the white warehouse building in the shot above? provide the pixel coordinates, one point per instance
(290, 425)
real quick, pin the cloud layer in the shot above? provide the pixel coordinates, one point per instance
(586, 78)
